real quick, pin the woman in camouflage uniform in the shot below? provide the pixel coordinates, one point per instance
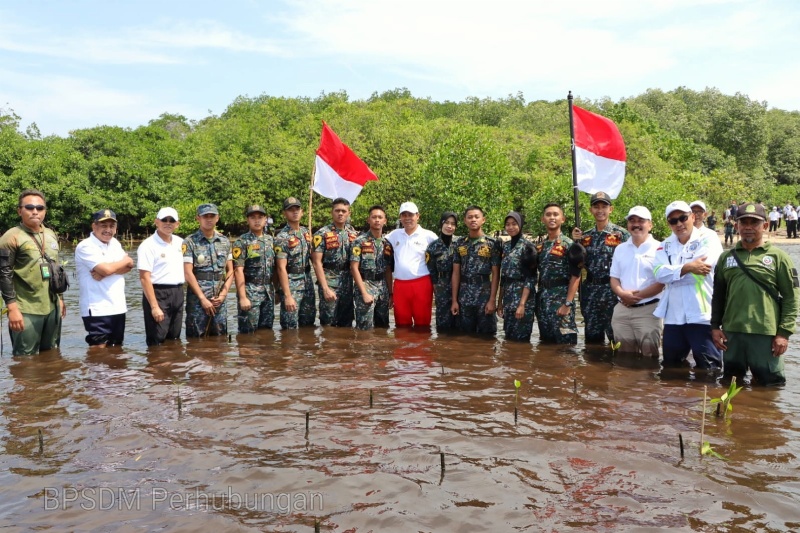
(439, 259)
(517, 283)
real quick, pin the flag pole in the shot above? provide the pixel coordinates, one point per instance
(311, 194)
(574, 168)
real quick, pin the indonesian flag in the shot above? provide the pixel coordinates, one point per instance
(599, 153)
(339, 172)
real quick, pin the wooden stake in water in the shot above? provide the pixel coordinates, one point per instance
(680, 440)
(370, 398)
(441, 460)
(41, 441)
(443, 369)
(180, 403)
(515, 416)
(307, 415)
(316, 526)
(575, 386)
(703, 423)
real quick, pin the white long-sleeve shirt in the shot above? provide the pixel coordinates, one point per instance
(687, 298)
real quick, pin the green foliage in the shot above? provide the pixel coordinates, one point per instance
(501, 154)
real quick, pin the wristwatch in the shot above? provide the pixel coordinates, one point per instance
(569, 304)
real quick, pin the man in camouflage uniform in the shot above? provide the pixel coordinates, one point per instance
(371, 261)
(517, 282)
(330, 257)
(208, 268)
(254, 269)
(293, 262)
(559, 277)
(476, 276)
(439, 259)
(597, 298)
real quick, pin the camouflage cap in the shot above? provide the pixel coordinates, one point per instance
(207, 209)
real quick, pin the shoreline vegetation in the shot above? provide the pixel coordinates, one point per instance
(503, 154)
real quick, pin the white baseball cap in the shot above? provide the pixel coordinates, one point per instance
(699, 204)
(165, 212)
(408, 207)
(639, 211)
(678, 205)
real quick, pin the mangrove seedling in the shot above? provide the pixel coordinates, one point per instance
(724, 401)
(615, 346)
(705, 446)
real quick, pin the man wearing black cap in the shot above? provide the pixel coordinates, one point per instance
(101, 264)
(293, 262)
(254, 271)
(208, 268)
(597, 298)
(753, 327)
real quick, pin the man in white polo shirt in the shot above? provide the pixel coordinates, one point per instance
(101, 264)
(413, 290)
(633, 282)
(160, 264)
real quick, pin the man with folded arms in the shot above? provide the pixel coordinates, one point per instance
(632, 280)
(160, 263)
(754, 326)
(101, 264)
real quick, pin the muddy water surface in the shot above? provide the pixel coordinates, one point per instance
(595, 446)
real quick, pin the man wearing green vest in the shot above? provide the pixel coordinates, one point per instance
(754, 306)
(34, 311)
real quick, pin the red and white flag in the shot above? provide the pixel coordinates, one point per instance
(599, 153)
(339, 172)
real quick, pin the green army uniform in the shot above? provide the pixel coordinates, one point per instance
(295, 247)
(22, 281)
(554, 276)
(208, 259)
(596, 297)
(373, 256)
(439, 260)
(514, 277)
(256, 256)
(476, 258)
(749, 316)
(334, 245)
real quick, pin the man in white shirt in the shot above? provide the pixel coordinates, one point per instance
(632, 280)
(413, 290)
(101, 263)
(685, 265)
(161, 272)
(774, 219)
(699, 211)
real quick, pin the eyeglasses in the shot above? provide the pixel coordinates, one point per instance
(673, 221)
(31, 207)
(168, 220)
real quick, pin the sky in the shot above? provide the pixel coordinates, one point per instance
(66, 65)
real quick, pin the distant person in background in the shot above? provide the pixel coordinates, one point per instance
(101, 264)
(791, 223)
(699, 212)
(729, 225)
(160, 264)
(754, 308)
(774, 218)
(711, 222)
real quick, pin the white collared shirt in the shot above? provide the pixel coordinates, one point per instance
(409, 252)
(107, 296)
(633, 265)
(163, 260)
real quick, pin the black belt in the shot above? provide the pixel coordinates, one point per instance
(207, 276)
(301, 270)
(377, 276)
(336, 268)
(547, 284)
(480, 278)
(166, 286)
(645, 303)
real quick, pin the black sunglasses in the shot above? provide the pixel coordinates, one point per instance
(673, 221)
(31, 207)
(168, 220)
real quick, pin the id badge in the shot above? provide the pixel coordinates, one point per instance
(45, 271)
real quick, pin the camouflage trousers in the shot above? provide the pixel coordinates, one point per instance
(553, 328)
(303, 293)
(472, 300)
(340, 311)
(597, 308)
(517, 329)
(375, 314)
(262, 311)
(198, 323)
(445, 319)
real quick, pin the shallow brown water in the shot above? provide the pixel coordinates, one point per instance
(119, 456)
